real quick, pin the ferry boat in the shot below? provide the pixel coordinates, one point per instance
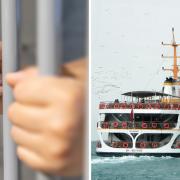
(143, 122)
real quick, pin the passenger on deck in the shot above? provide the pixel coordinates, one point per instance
(142, 100)
(116, 101)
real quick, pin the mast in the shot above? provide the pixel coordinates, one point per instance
(175, 68)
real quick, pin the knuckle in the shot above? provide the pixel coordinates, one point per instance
(11, 110)
(18, 90)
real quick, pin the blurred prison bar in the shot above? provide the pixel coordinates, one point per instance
(74, 46)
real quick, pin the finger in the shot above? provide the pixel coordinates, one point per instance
(33, 91)
(31, 158)
(27, 117)
(1, 90)
(25, 138)
(55, 147)
(13, 78)
(0, 57)
(36, 161)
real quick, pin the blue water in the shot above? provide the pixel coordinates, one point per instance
(134, 168)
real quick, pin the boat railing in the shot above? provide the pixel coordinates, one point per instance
(150, 144)
(125, 105)
(138, 144)
(135, 125)
(141, 144)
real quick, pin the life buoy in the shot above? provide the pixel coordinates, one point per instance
(166, 125)
(157, 106)
(178, 145)
(175, 106)
(123, 105)
(102, 106)
(115, 124)
(116, 106)
(154, 144)
(124, 124)
(114, 144)
(125, 145)
(142, 145)
(154, 125)
(105, 125)
(132, 106)
(140, 106)
(166, 106)
(148, 106)
(144, 125)
(178, 107)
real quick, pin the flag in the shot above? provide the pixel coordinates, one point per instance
(132, 115)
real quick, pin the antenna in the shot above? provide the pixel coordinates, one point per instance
(175, 68)
(173, 41)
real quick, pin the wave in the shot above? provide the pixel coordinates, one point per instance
(124, 159)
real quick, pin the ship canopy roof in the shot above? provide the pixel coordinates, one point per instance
(144, 94)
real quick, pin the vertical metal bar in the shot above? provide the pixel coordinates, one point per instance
(49, 36)
(48, 42)
(10, 61)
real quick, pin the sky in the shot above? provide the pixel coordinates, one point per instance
(126, 48)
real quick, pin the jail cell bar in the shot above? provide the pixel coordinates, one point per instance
(48, 60)
(49, 16)
(10, 62)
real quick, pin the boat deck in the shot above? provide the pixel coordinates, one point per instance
(166, 106)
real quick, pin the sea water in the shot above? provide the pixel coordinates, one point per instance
(134, 168)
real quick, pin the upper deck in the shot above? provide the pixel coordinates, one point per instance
(143, 100)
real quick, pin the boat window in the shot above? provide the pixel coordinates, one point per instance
(153, 140)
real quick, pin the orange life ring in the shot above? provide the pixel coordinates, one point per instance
(178, 145)
(154, 125)
(178, 107)
(125, 145)
(148, 106)
(124, 124)
(144, 125)
(166, 125)
(132, 106)
(116, 106)
(140, 106)
(115, 124)
(102, 106)
(142, 145)
(105, 125)
(175, 106)
(166, 106)
(154, 144)
(157, 106)
(123, 105)
(114, 144)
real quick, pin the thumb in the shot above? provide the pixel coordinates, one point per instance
(13, 78)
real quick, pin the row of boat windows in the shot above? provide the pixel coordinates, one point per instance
(142, 117)
(121, 140)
